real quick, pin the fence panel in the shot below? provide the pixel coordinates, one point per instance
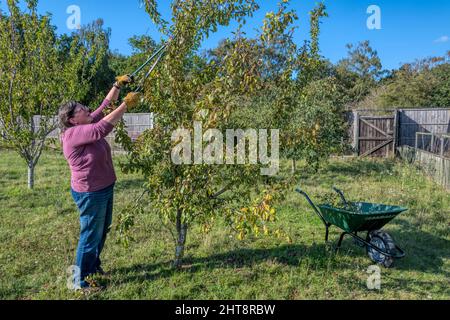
(427, 120)
(433, 165)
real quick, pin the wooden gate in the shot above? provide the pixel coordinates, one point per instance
(375, 135)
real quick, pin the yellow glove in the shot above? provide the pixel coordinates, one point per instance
(132, 99)
(123, 80)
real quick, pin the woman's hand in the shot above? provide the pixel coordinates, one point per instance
(124, 80)
(132, 99)
(121, 81)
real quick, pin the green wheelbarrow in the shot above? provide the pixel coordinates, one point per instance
(356, 217)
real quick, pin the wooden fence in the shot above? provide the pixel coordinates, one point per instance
(375, 134)
(435, 166)
(371, 132)
(434, 143)
(411, 121)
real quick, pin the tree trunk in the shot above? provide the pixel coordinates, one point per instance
(294, 167)
(30, 176)
(181, 240)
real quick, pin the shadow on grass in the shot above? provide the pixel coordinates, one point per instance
(424, 253)
(246, 257)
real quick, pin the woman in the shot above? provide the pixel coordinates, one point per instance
(92, 173)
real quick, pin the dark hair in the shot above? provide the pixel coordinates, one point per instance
(66, 111)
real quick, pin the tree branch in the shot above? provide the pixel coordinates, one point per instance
(218, 193)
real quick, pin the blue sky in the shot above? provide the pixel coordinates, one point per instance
(410, 29)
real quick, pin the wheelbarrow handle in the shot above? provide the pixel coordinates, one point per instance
(341, 194)
(397, 255)
(316, 210)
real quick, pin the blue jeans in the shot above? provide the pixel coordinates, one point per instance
(95, 222)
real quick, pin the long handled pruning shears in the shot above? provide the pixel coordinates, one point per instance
(158, 55)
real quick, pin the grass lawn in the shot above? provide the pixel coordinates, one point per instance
(39, 233)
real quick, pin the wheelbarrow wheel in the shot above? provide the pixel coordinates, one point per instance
(384, 242)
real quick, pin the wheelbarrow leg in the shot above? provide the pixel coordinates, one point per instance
(327, 226)
(340, 240)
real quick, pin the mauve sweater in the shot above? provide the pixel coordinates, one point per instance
(88, 153)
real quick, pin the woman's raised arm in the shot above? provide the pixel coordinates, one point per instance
(131, 100)
(112, 96)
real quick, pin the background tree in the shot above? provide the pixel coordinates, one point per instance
(286, 74)
(317, 128)
(360, 72)
(39, 72)
(312, 113)
(424, 83)
(85, 56)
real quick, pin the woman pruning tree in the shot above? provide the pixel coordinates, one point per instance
(92, 172)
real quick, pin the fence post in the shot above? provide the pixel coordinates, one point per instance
(417, 141)
(356, 132)
(396, 127)
(442, 146)
(432, 143)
